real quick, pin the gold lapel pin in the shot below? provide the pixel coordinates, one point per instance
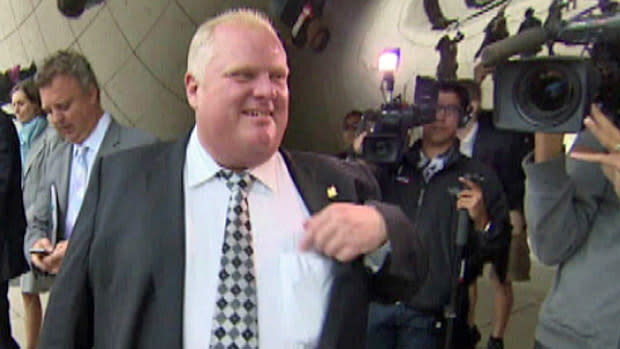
(332, 192)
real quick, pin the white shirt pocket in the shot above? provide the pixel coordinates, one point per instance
(305, 280)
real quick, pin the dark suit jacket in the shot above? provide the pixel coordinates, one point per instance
(503, 151)
(12, 217)
(122, 279)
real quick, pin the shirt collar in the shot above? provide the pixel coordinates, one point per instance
(94, 140)
(202, 168)
(471, 134)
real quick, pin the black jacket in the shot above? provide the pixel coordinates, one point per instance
(503, 151)
(12, 217)
(432, 209)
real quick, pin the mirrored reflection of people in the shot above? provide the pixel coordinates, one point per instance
(448, 50)
(350, 127)
(436, 16)
(530, 21)
(495, 30)
(221, 239)
(503, 151)
(572, 213)
(37, 139)
(12, 223)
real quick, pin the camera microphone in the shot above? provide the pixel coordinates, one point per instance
(522, 42)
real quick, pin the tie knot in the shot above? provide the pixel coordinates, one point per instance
(236, 180)
(80, 151)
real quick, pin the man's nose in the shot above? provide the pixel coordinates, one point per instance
(264, 86)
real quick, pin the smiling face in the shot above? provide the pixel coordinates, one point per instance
(241, 100)
(25, 109)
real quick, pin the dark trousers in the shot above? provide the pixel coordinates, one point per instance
(399, 326)
(6, 339)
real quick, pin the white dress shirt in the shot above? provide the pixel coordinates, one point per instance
(292, 287)
(93, 143)
(467, 143)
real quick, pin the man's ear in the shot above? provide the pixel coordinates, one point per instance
(191, 90)
(93, 94)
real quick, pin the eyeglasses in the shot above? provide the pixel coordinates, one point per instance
(448, 110)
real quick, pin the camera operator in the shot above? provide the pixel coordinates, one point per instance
(431, 184)
(573, 214)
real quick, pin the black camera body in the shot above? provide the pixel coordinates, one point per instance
(388, 137)
(550, 95)
(388, 128)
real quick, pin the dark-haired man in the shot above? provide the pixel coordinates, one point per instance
(431, 185)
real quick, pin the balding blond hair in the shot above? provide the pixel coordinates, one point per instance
(201, 47)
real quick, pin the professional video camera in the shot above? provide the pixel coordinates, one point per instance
(553, 94)
(388, 127)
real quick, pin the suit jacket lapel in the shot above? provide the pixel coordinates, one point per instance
(306, 182)
(62, 182)
(112, 138)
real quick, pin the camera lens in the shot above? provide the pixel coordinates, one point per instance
(548, 94)
(550, 91)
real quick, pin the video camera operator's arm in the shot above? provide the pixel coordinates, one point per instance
(562, 197)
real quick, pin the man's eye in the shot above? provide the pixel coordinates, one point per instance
(278, 76)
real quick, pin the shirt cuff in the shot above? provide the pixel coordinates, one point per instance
(374, 260)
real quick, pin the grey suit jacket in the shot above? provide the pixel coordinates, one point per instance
(41, 147)
(121, 283)
(56, 171)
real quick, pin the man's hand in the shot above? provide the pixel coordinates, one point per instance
(56, 257)
(48, 262)
(472, 200)
(609, 136)
(39, 260)
(344, 231)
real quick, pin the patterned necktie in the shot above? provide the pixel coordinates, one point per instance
(235, 322)
(79, 182)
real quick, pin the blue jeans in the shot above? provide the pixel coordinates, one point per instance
(399, 326)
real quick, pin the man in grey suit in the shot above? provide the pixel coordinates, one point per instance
(70, 96)
(222, 239)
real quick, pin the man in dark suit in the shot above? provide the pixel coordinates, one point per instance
(222, 238)
(12, 222)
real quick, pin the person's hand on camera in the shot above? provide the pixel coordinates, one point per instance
(358, 142)
(609, 137)
(345, 231)
(472, 200)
